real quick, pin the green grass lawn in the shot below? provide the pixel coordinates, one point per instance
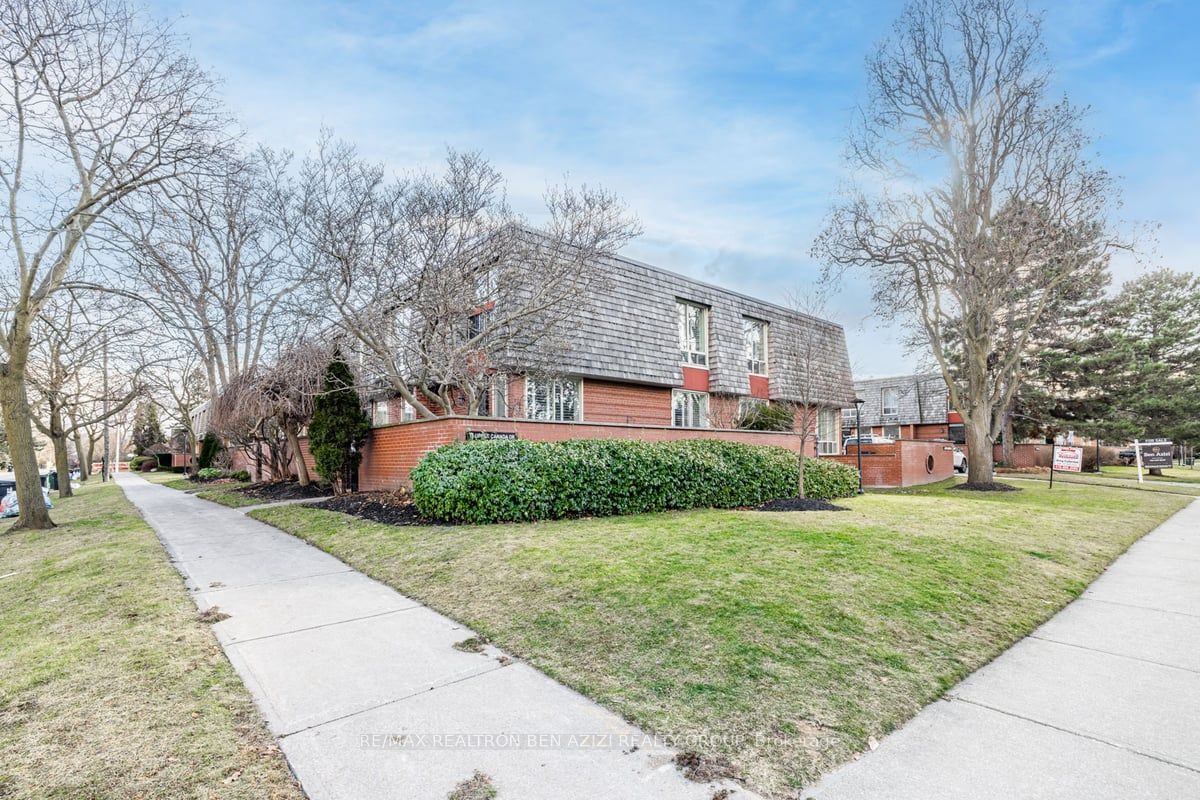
(227, 495)
(175, 480)
(1105, 479)
(1179, 474)
(110, 686)
(796, 636)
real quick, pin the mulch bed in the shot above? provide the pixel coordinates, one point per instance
(285, 490)
(800, 504)
(376, 507)
(983, 486)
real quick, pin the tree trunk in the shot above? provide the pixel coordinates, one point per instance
(62, 464)
(18, 424)
(802, 460)
(980, 466)
(1008, 438)
(298, 457)
(85, 464)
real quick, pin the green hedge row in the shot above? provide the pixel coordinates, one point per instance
(825, 479)
(506, 481)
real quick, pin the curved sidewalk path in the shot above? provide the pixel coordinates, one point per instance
(365, 690)
(1101, 701)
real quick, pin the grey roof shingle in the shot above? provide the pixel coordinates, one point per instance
(922, 399)
(628, 332)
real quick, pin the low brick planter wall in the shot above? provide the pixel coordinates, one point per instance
(906, 462)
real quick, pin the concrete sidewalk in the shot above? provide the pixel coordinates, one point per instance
(1101, 701)
(365, 690)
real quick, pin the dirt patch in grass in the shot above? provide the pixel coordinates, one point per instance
(285, 490)
(984, 486)
(387, 507)
(800, 504)
(704, 767)
(477, 787)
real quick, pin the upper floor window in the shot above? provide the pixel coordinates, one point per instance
(890, 400)
(553, 400)
(755, 332)
(693, 334)
(689, 409)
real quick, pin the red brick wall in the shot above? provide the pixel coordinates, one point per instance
(902, 463)
(605, 401)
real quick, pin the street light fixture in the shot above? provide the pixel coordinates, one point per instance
(858, 404)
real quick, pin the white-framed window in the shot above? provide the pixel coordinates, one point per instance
(689, 409)
(553, 400)
(380, 413)
(693, 334)
(407, 412)
(828, 426)
(748, 404)
(755, 333)
(890, 400)
(486, 284)
(493, 399)
(849, 415)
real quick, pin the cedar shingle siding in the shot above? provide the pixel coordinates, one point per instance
(630, 333)
(922, 399)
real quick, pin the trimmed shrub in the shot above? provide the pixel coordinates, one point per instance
(825, 479)
(240, 475)
(508, 481)
(764, 417)
(211, 474)
(148, 465)
(136, 462)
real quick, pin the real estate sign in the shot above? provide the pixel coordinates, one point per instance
(1068, 459)
(1156, 455)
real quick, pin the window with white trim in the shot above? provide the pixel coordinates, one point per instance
(693, 334)
(552, 400)
(407, 412)
(828, 426)
(754, 331)
(890, 400)
(689, 409)
(380, 413)
(500, 395)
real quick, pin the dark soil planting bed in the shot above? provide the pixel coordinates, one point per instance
(376, 507)
(983, 486)
(285, 490)
(800, 504)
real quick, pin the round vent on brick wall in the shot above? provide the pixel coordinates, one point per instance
(929, 463)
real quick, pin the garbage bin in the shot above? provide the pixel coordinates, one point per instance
(52, 480)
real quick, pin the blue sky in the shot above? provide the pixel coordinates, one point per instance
(721, 124)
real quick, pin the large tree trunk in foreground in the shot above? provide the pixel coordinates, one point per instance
(980, 465)
(298, 457)
(18, 425)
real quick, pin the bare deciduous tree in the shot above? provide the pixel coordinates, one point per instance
(988, 206)
(64, 371)
(95, 103)
(434, 281)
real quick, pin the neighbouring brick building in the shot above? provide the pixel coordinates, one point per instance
(905, 407)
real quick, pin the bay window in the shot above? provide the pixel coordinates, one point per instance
(689, 409)
(693, 334)
(552, 400)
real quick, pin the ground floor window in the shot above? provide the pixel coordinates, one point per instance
(958, 433)
(828, 424)
(555, 400)
(493, 399)
(380, 413)
(891, 431)
(689, 409)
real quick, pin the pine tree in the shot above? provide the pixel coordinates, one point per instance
(147, 431)
(339, 426)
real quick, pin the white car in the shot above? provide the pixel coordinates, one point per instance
(960, 460)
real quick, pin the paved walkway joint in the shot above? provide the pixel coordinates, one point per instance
(365, 690)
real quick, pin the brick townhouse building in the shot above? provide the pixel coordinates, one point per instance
(905, 407)
(652, 348)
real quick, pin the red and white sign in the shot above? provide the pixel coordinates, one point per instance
(1068, 459)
